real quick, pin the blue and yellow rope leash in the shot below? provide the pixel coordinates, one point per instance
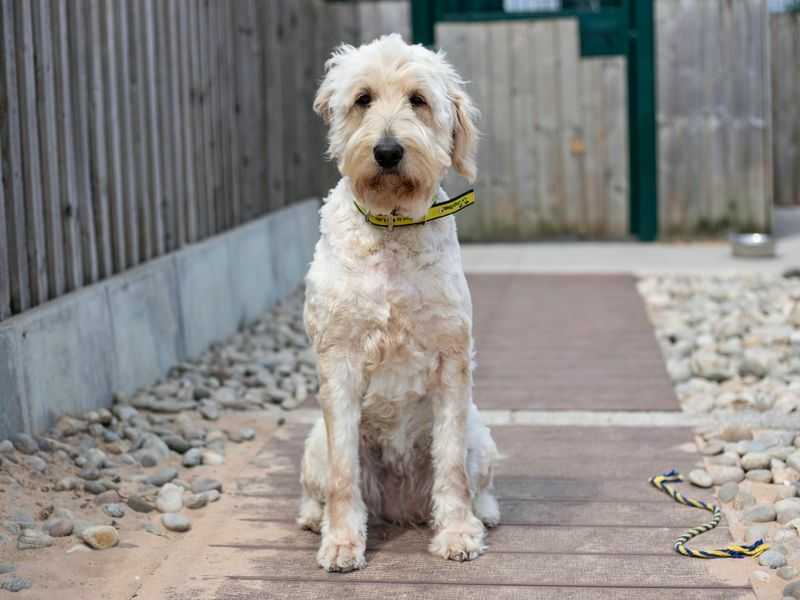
(661, 482)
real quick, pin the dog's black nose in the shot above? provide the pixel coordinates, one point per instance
(388, 152)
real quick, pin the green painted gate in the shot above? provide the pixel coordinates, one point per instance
(607, 28)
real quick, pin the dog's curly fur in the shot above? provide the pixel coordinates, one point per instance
(390, 316)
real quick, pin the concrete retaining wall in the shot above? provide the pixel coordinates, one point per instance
(70, 355)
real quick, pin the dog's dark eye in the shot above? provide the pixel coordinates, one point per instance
(364, 99)
(417, 100)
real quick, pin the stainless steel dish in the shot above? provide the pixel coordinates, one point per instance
(752, 245)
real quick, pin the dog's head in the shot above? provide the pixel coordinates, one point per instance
(398, 118)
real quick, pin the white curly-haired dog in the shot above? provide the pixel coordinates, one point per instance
(389, 314)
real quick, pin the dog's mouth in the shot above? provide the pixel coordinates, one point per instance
(392, 181)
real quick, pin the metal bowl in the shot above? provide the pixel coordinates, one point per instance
(752, 245)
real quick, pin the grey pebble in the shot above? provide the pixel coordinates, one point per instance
(90, 474)
(161, 477)
(35, 463)
(110, 436)
(193, 458)
(712, 448)
(772, 559)
(67, 484)
(759, 475)
(177, 443)
(788, 572)
(724, 474)
(32, 539)
(195, 501)
(787, 509)
(94, 487)
(792, 590)
(108, 497)
(6, 568)
(114, 510)
(755, 460)
(140, 505)
(700, 478)
(24, 443)
(176, 522)
(15, 584)
(761, 513)
(205, 484)
(6, 447)
(59, 527)
(209, 410)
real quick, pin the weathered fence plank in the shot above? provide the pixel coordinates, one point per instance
(785, 61)
(12, 176)
(572, 130)
(220, 217)
(48, 140)
(32, 174)
(98, 143)
(185, 30)
(197, 97)
(154, 149)
(116, 191)
(138, 103)
(272, 26)
(5, 287)
(617, 187)
(66, 146)
(208, 108)
(79, 57)
(166, 120)
(231, 133)
(250, 104)
(128, 155)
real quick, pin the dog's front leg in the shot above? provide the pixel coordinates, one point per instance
(344, 523)
(459, 534)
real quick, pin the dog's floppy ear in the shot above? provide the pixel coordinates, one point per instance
(322, 101)
(465, 134)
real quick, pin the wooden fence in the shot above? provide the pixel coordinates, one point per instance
(714, 146)
(785, 34)
(129, 128)
(553, 158)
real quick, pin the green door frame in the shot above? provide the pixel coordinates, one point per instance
(601, 35)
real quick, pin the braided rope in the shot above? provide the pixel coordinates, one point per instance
(661, 482)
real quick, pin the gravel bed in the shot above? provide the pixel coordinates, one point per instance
(732, 349)
(112, 466)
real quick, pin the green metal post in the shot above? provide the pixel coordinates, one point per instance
(423, 20)
(642, 122)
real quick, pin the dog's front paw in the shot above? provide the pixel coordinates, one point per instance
(339, 554)
(462, 541)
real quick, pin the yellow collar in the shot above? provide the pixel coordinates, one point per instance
(437, 211)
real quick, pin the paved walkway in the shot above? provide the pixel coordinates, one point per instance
(579, 519)
(633, 257)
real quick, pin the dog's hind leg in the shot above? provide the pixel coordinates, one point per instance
(481, 457)
(313, 478)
